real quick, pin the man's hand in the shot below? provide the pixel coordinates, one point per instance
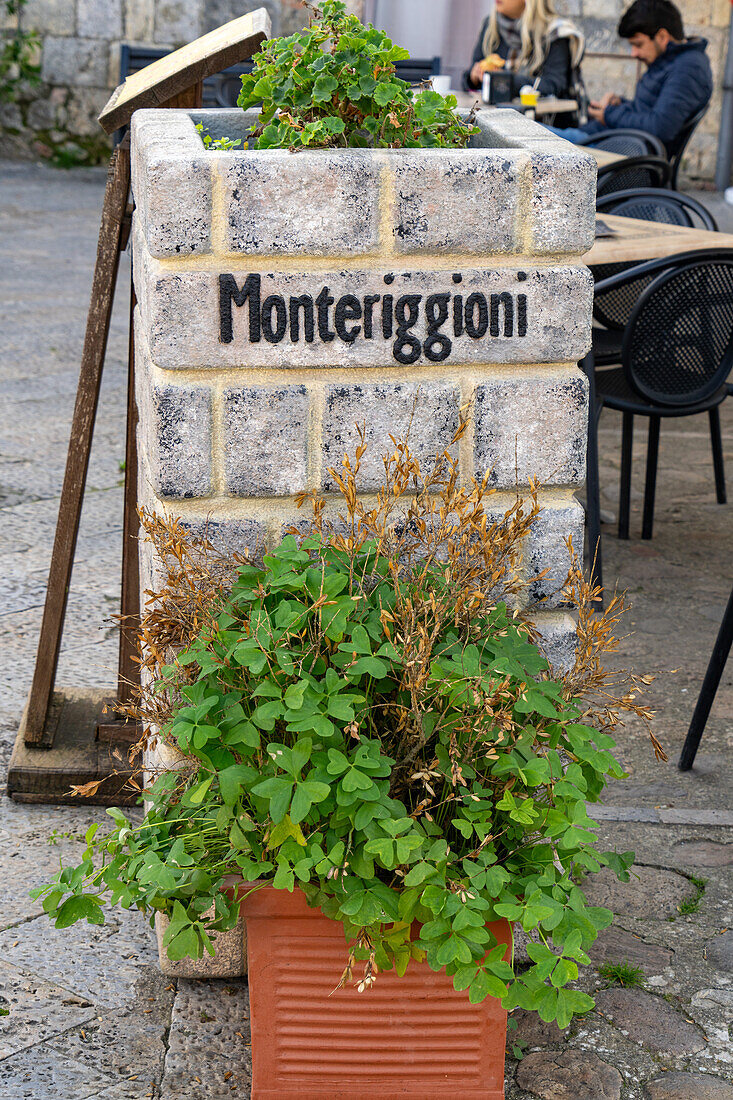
(597, 107)
(610, 99)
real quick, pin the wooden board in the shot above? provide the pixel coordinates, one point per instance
(602, 157)
(47, 775)
(637, 240)
(158, 83)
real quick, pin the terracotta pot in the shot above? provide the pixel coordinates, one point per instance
(411, 1036)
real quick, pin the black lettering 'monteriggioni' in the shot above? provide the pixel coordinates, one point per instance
(229, 292)
(355, 316)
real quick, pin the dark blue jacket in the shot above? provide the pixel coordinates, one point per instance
(672, 90)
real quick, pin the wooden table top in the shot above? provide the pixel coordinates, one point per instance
(546, 106)
(635, 240)
(602, 156)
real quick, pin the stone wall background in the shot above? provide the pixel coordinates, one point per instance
(80, 50)
(707, 18)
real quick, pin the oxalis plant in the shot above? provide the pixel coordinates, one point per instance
(334, 85)
(364, 714)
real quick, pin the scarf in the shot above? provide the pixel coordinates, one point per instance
(510, 31)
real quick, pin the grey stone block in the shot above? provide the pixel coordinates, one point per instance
(178, 21)
(99, 18)
(218, 12)
(319, 203)
(139, 20)
(265, 440)
(448, 201)
(43, 114)
(424, 414)
(532, 426)
(82, 108)
(229, 535)
(75, 61)
(546, 549)
(49, 16)
(171, 181)
(176, 438)
(563, 201)
(502, 129)
(558, 638)
(505, 316)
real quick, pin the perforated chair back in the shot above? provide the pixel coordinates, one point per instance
(628, 143)
(417, 69)
(228, 84)
(678, 345)
(613, 309)
(646, 171)
(653, 204)
(678, 146)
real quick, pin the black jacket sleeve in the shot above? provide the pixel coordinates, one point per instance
(554, 74)
(478, 55)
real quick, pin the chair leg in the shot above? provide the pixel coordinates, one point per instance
(705, 700)
(624, 504)
(717, 444)
(592, 482)
(652, 454)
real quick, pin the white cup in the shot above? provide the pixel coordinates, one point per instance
(441, 83)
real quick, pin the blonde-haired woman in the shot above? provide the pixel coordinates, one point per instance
(530, 39)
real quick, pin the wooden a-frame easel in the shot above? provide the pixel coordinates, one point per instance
(69, 737)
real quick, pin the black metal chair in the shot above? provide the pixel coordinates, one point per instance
(652, 204)
(633, 172)
(678, 147)
(677, 350)
(613, 309)
(415, 70)
(628, 143)
(706, 698)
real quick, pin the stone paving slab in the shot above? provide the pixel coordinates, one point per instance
(38, 1010)
(91, 1016)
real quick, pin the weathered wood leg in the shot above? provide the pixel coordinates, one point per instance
(77, 462)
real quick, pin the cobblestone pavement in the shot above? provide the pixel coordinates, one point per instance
(90, 1014)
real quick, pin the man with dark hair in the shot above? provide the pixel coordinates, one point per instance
(677, 84)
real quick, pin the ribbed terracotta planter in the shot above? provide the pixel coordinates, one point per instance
(410, 1036)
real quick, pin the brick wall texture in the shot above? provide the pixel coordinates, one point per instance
(275, 314)
(81, 46)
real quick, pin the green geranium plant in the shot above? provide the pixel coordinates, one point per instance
(364, 714)
(334, 85)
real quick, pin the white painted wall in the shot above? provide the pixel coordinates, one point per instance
(446, 28)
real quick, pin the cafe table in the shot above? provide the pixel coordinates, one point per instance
(633, 241)
(603, 157)
(548, 105)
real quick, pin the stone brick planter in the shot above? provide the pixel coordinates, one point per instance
(284, 297)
